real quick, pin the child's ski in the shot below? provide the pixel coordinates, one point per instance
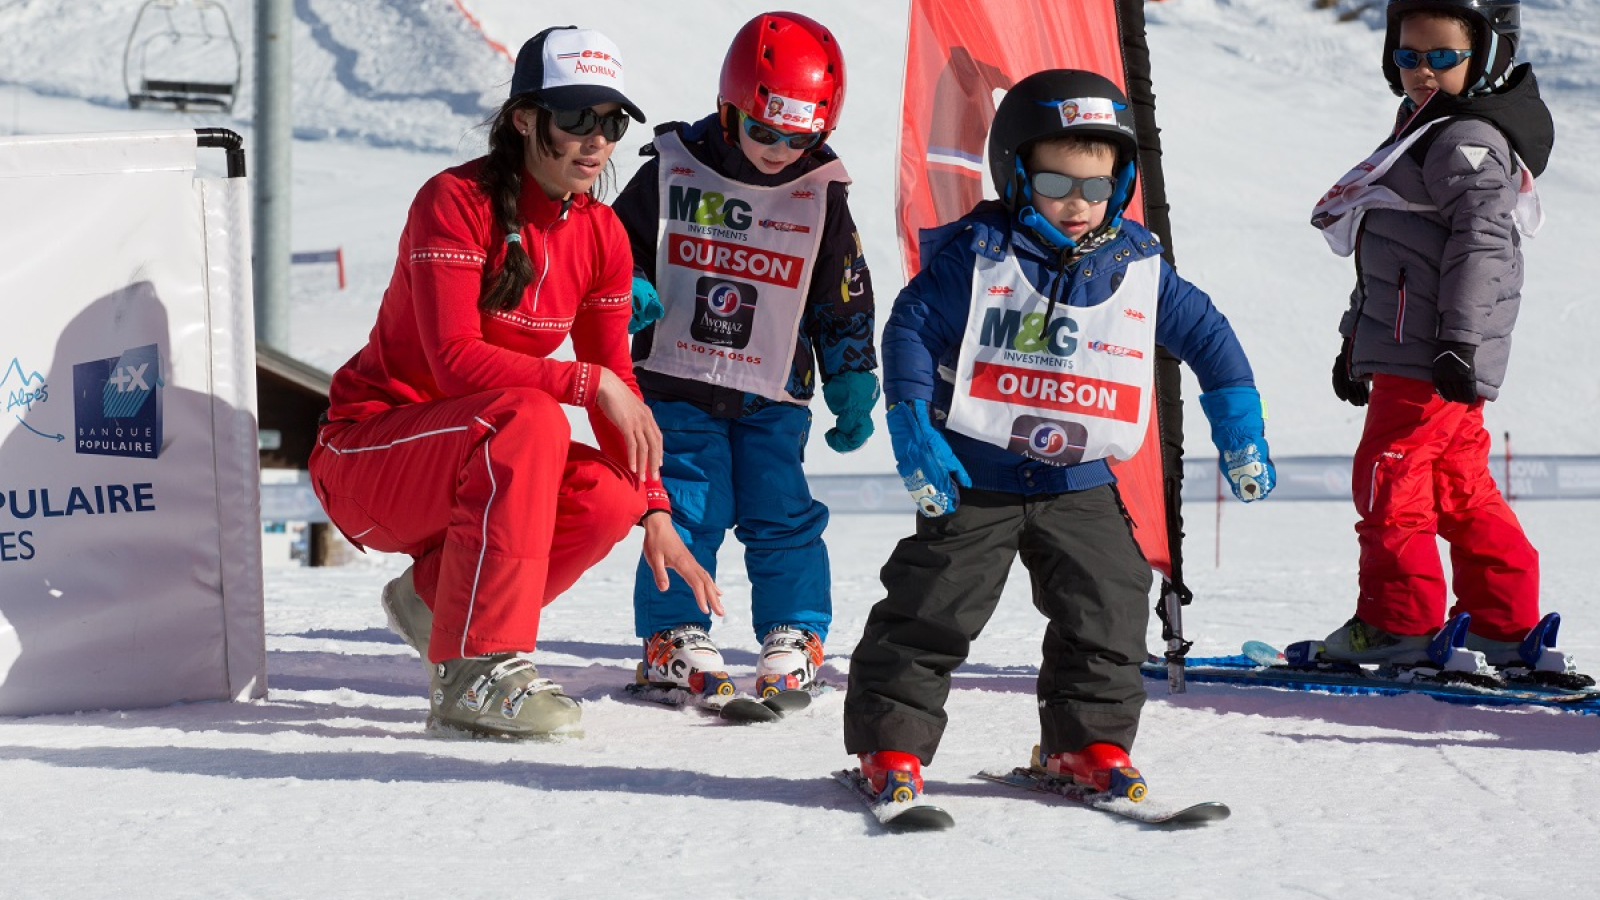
(1142, 811)
(909, 815)
(749, 710)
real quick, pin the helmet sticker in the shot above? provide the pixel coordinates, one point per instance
(1087, 111)
(791, 114)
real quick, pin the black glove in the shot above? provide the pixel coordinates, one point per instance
(1347, 387)
(1453, 375)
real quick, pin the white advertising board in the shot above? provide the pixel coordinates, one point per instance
(130, 546)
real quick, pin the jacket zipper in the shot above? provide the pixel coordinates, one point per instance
(1400, 314)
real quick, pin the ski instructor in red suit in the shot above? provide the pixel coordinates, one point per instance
(446, 438)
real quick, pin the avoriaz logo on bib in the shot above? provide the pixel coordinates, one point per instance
(724, 312)
(1048, 440)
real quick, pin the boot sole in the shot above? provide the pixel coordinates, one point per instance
(440, 728)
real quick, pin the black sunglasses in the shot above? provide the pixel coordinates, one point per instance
(583, 122)
(1438, 60)
(1095, 189)
(766, 137)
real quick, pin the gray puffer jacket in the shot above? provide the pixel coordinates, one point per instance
(1452, 272)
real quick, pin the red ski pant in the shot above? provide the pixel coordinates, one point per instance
(501, 510)
(1421, 471)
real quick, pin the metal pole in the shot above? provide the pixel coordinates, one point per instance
(272, 175)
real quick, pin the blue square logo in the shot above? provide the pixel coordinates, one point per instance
(117, 402)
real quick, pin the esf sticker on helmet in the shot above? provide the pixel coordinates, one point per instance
(1087, 111)
(792, 114)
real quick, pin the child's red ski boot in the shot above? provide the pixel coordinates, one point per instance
(895, 776)
(1104, 767)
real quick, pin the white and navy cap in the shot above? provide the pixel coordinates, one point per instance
(568, 67)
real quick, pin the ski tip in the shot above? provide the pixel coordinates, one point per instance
(1263, 654)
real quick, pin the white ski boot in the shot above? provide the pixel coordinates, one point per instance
(684, 657)
(790, 658)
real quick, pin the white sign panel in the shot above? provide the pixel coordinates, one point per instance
(130, 555)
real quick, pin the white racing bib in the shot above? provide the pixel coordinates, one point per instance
(1070, 390)
(1340, 211)
(733, 266)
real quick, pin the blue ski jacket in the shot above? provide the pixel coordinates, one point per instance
(922, 336)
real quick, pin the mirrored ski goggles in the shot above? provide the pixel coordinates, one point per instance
(766, 137)
(584, 122)
(1438, 60)
(1095, 189)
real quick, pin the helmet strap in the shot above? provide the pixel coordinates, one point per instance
(1030, 219)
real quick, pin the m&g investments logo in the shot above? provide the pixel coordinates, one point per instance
(118, 404)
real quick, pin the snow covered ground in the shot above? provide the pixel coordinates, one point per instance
(330, 788)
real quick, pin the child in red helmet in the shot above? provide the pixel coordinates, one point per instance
(749, 288)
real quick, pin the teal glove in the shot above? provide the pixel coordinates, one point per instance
(851, 397)
(1239, 432)
(647, 306)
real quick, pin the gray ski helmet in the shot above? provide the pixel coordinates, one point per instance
(1056, 102)
(1496, 28)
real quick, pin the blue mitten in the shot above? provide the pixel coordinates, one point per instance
(1238, 430)
(850, 396)
(923, 459)
(647, 306)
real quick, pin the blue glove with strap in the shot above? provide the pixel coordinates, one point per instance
(1239, 431)
(850, 396)
(923, 459)
(647, 306)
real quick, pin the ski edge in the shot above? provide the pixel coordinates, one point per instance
(924, 816)
(1143, 812)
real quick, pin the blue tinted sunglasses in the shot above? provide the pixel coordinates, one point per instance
(766, 137)
(1438, 60)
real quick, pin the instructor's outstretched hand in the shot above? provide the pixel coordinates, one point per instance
(664, 549)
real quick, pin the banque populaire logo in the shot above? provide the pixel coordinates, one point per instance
(118, 404)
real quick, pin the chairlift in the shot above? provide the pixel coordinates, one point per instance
(182, 54)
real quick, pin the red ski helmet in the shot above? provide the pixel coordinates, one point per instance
(783, 70)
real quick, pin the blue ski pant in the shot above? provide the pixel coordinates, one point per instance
(743, 474)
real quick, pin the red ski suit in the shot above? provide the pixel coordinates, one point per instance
(446, 439)
(1421, 473)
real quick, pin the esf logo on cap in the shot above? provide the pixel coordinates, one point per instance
(571, 68)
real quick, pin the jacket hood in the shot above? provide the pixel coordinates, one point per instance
(1516, 109)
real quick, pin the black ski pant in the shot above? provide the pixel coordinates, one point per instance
(1090, 579)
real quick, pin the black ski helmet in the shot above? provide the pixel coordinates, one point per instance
(1495, 26)
(1051, 103)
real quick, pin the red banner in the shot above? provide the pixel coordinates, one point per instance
(961, 57)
